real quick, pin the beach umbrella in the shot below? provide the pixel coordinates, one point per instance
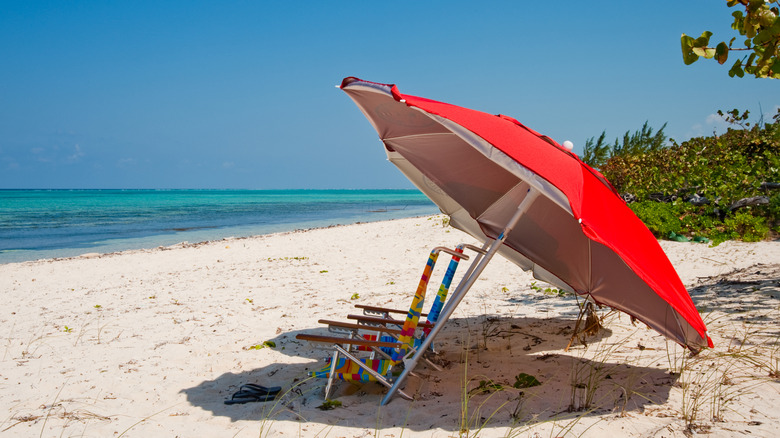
(533, 201)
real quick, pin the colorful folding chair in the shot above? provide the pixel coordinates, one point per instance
(372, 312)
(392, 344)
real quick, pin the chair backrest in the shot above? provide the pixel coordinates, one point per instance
(406, 339)
(441, 295)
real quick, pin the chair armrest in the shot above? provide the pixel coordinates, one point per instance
(374, 320)
(384, 309)
(346, 341)
(348, 325)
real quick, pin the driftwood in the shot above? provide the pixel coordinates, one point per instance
(745, 202)
(770, 186)
(697, 199)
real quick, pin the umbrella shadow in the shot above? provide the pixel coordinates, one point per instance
(549, 297)
(482, 359)
(750, 293)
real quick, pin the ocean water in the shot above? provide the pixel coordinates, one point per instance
(36, 224)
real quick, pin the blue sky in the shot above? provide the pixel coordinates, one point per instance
(241, 94)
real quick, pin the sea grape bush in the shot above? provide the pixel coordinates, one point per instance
(758, 24)
(715, 172)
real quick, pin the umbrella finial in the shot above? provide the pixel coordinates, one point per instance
(568, 145)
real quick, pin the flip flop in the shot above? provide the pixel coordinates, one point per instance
(260, 389)
(242, 397)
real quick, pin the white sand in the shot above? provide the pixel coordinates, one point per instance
(150, 343)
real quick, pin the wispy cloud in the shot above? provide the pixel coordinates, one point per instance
(10, 163)
(76, 155)
(41, 155)
(57, 155)
(716, 122)
(713, 123)
(127, 162)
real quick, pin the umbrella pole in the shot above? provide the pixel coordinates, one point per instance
(463, 287)
(453, 301)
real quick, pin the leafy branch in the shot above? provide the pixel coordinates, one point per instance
(760, 23)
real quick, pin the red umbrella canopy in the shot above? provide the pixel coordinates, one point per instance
(580, 235)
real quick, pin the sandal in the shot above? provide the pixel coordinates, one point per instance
(260, 389)
(251, 392)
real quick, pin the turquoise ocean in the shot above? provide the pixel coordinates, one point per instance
(37, 224)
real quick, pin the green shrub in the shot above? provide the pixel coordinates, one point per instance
(750, 228)
(724, 169)
(697, 220)
(773, 212)
(660, 218)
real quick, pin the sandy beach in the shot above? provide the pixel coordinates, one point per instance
(150, 343)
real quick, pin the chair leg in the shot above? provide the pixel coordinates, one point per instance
(332, 374)
(432, 365)
(382, 380)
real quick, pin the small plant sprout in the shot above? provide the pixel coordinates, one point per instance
(549, 291)
(486, 387)
(266, 344)
(67, 329)
(250, 301)
(323, 271)
(505, 289)
(524, 380)
(297, 259)
(355, 296)
(328, 405)
(98, 306)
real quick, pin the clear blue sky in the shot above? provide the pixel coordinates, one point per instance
(241, 94)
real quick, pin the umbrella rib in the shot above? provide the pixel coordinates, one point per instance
(590, 266)
(410, 136)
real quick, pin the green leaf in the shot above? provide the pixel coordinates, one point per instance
(750, 60)
(736, 69)
(739, 21)
(765, 36)
(703, 40)
(704, 51)
(722, 53)
(686, 44)
(775, 69)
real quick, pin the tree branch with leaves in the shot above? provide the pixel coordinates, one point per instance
(760, 24)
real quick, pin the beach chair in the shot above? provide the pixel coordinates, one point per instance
(371, 313)
(374, 316)
(389, 340)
